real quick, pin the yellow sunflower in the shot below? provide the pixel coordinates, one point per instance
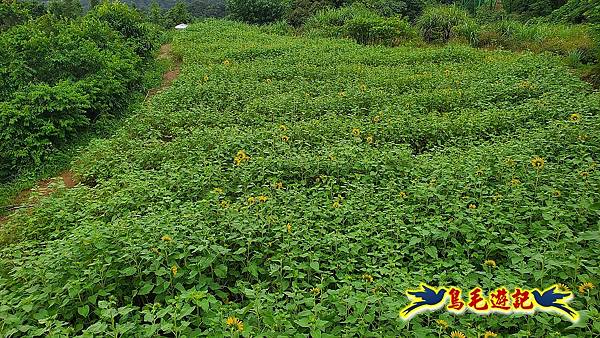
(490, 262)
(457, 334)
(235, 323)
(583, 287)
(537, 162)
(575, 117)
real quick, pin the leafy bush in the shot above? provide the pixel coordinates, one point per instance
(137, 32)
(578, 11)
(302, 10)
(177, 14)
(11, 14)
(257, 11)
(528, 9)
(59, 75)
(14, 13)
(362, 25)
(208, 8)
(377, 30)
(280, 28)
(410, 9)
(485, 14)
(442, 23)
(69, 9)
(39, 117)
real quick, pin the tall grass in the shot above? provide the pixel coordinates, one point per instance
(566, 40)
(443, 23)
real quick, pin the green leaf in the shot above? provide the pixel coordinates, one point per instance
(129, 271)
(83, 310)
(221, 271)
(590, 236)
(144, 290)
(432, 251)
(303, 322)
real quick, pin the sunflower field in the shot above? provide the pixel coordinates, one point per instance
(297, 187)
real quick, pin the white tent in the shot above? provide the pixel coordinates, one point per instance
(181, 26)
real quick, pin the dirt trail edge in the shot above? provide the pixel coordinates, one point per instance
(165, 53)
(28, 198)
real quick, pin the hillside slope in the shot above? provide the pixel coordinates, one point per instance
(302, 185)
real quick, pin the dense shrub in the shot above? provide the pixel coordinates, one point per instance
(361, 24)
(280, 27)
(410, 9)
(527, 9)
(442, 23)
(302, 10)
(177, 14)
(540, 37)
(11, 14)
(39, 117)
(137, 32)
(59, 75)
(578, 11)
(485, 14)
(377, 30)
(329, 22)
(207, 8)
(65, 8)
(257, 11)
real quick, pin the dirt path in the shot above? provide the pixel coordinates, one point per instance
(170, 76)
(29, 198)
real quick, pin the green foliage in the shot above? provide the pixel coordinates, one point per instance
(280, 28)
(69, 9)
(578, 11)
(302, 10)
(257, 11)
(167, 236)
(442, 23)
(130, 23)
(360, 24)
(486, 14)
(386, 31)
(207, 8)
(155, 14)
(541, 37)
(177, 14)
(39, 117)
(59, 75)
(532, 8)
(410, 9)
(11, 14)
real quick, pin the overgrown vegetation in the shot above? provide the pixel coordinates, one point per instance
(59, 76)
(298, 186)
(360, 24)
(291, 183)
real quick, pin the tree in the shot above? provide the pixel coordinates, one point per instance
(303, 9)
(155, 14)
(178, 14)
(12, 14)
(65, 8)
(207, 8)
(257, 11)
